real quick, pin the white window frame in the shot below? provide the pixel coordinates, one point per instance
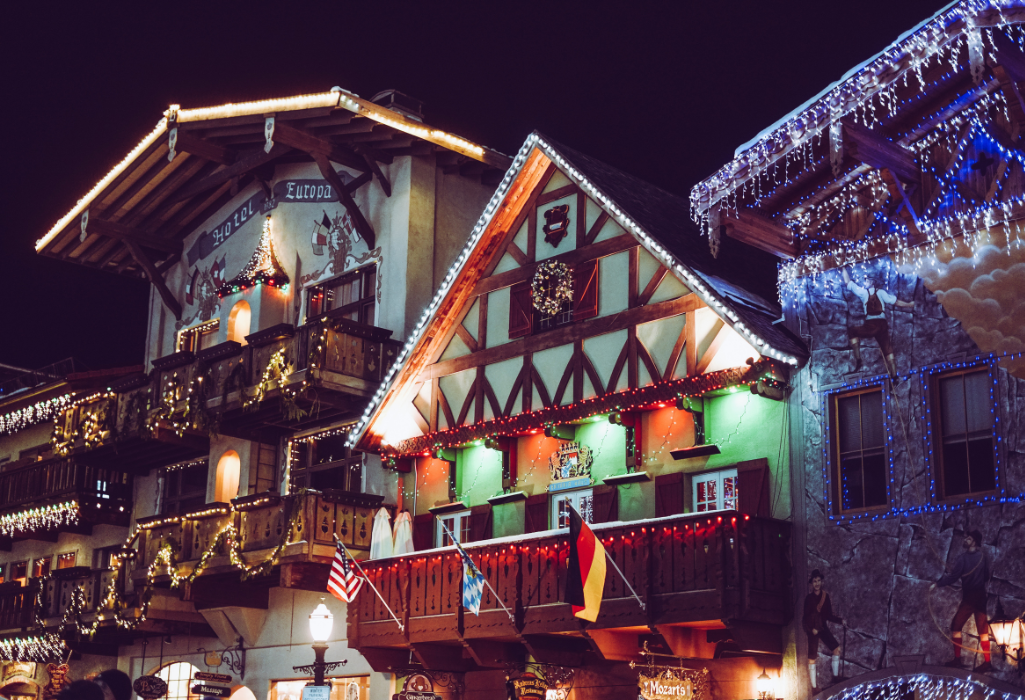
(719, 478)
(456, 522)
(576, 498)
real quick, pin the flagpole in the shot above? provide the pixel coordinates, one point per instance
(487, 583)
(402, 628)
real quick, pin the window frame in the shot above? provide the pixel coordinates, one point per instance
(931, 380)
(463, 531)
(301, 466)
(23, 579)
(191, 339)
(60, 560)
(834, 481)
(47, 561)
(365, 306)
(719, 475)
(167, 499)
(555, 498)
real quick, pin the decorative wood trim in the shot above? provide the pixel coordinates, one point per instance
(359, 221)
(720, 337)
(649, 289)
(489, 394)
(527, 374)
(578, 370)
(482, 321)
(649, 363)
(155, 278)
(617, 369)
(514, 394)
(581, 232)
(516, 254)
(542, 390)
(674, 356)
(435, 400)
(596, 227)
(446, 409)
(567, 334)
(564, 383)
(464, 335)
(570, 257)
(691, 344)
(555, 194)
(592, 373)
(419, 420)
(478, 390)
(464, 410)
(531, 209)
(631, 343)
(634, 275)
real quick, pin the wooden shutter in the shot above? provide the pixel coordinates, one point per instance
(263, 470)
(668, 494)
(753, 487)
(520, 307)
(605, 507)
(423, 532)
(535, 513)
(480, 523)
(585, 290)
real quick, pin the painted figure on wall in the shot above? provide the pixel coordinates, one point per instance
(875, 324)
(339, 238)
(972, 568)
(818, 610)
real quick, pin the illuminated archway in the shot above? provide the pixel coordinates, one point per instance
(239, 320)
(240, 692)
(178, 676)
(228, 468)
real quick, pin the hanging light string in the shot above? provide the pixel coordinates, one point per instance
(28, 416)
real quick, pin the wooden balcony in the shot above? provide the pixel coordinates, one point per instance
(102, 496)
(728, 573)
(262, 523)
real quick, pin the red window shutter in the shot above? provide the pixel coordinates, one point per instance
(423, 532)
(480, 523)
(668, 494)
(520, 317)
(585, 290)
(535, 513)
(605, 508)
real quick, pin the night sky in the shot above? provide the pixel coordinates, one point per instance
(665, 91)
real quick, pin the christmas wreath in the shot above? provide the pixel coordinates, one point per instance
(552, 287)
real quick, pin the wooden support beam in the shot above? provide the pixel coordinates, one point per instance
(204, 149)
(906, 209)
(759, 231)
(120, 232)
(155, 278)
(375, 169)
(314, 145)
(1012, 95)
(239, 167)
(362, 225)
(1009, 56)
(868, 146)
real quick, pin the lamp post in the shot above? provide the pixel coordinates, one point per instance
(321, 622)
(764, 686)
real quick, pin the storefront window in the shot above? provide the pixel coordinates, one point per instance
(178, 677)
(352, 688)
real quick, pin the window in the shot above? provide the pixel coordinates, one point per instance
(353, 688)
(66, 560)
(35, 453)
(239, 321)
(184, 489)
(324, 462)
(19, 572)
(524, 319)
(715, 491)
(178, 677)
(458, 524)
(352, 296)
(859, 454)
(198, 337)
(965, 435)
(41, 567)
(228, 468)
(582, 500)
(263, 471)
(104, 558)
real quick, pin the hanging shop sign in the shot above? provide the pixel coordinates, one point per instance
(215, 691)
(531, 687)
(211, 677)
(674, 684)
(417, 687)
(570, 461)
(150, 687)
(316, 692)
(25, 669)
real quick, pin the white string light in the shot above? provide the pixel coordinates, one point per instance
(31, 415)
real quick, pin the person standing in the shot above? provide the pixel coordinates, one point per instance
(972, 568)
(818, 610)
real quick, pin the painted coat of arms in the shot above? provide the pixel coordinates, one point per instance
(570, 461)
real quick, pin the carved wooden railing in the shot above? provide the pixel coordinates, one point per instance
(20, 605)
(686, 568)
(54, 479)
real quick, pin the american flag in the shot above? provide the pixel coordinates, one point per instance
(343, 583)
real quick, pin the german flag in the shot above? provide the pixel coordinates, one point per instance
(586, 569)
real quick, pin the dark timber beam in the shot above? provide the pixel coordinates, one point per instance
(362, 225)
(906, 208)
(204, 149)
(155, 278)
(120, 232)
(869, 147)
(375, 169)
(314, 145)
(239, 167)
(759, 231)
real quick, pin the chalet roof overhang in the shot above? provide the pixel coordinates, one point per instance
(870, 132)
(640, 217)
(134, 220)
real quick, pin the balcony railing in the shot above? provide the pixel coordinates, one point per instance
(686, 569)
(19, 605)
(55, 479)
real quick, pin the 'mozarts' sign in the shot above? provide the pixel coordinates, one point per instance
(662, 687)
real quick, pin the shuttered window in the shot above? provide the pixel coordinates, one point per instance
(585, 290)
(520, 312)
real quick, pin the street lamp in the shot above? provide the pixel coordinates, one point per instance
(1009, 635)
(764, 686)
(321, 622)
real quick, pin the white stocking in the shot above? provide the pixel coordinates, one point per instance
(836, 665)
(811, 674)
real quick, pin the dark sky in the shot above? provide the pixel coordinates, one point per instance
(665, 91)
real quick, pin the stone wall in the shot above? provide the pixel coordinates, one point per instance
(878, 569)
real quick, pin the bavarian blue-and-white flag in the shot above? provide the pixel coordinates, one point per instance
(473, 584)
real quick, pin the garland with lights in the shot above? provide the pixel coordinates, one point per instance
(91, 429)
(552, 287)
(262, 268)
(276, 372)
(32, 415)
(40, 519)
(923, 686)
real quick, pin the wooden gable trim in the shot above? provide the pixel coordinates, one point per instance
(649, 289)
(721, 331)
(596, 228)
(545, 198)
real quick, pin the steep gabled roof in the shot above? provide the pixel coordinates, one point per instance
(659, 221)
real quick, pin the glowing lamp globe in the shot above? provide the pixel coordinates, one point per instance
(764, 684)
(321, 621)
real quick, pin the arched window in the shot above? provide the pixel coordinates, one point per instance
(228, 467)
(238, 322)
(178, 677)
(242, 693)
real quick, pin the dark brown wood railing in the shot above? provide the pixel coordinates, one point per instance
(18, 604)
(52, 479)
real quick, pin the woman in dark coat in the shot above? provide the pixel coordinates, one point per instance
(818, 610)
